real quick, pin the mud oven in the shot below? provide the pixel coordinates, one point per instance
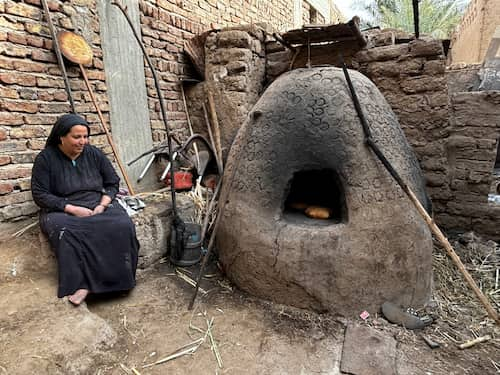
(303, 144)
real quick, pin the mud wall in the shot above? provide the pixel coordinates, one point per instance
(473, 35)
(32, 91)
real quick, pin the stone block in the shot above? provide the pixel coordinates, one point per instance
(426, 48)
(435, 67)
(381, 53)
(412, 85)
(236, 67)
(234, 39)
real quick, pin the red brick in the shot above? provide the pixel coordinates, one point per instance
(6, 63)
(49, 82)
(55, 108)
(15, 106)
(34, 41)
(29, 66)
(10, 172)
(40, 120)
(7, 92)
(18, 78)
(39, 55)
(23, 10)
(13, 50)
(4, 159)
(3, 135)
(7, 118)
(51, 4)
(8, 146)
(6, 187)
(16, 38)
(23, 157)
(36, 144)
(14, 198)
(28, 132)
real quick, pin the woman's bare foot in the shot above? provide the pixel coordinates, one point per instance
(78, 297)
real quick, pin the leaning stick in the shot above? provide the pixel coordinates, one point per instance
(195, 146)
(430, 222)
(215, 122)
(60, 60)
(108, 135)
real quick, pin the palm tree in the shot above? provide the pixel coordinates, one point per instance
(437, 17)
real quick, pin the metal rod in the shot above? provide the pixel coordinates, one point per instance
(416, 21)
(146, 168)
(108, 135)
(423, 212)
(59, 55)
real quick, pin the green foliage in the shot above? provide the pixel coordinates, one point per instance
(437, 17)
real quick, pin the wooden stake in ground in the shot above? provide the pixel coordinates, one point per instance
(76, 50)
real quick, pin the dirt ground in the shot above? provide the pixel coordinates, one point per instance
(123, 334)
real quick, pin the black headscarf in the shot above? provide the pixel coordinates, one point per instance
(63, 126)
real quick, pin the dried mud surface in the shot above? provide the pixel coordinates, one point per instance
(120, 334)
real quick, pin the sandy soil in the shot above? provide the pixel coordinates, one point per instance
(121, 334)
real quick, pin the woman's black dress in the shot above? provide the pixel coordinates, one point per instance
(98, 252)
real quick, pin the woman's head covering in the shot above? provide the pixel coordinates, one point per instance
(63, 126)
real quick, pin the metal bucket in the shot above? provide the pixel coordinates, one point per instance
(191, 253)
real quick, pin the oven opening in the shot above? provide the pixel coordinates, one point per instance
(315, 196)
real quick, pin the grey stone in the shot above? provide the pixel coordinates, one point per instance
(368, 352)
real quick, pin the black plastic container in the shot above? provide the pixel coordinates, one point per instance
(191, 253)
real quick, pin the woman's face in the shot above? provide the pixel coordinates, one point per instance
(72, 143)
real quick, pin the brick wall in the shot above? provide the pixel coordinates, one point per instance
(473, 35)
(32, 91)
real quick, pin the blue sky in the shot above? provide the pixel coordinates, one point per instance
(348, 8)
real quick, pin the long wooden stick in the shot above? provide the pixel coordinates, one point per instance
(60, 60)
(454, 257)
(108, 135)
(215, 122)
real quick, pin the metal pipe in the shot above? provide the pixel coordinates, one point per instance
(416, 20)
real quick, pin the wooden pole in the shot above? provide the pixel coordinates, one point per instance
(215, 122)
(453, 255)
(108, 135)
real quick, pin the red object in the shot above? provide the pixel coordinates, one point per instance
(182, 180)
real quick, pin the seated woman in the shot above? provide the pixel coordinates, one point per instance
(94, 239)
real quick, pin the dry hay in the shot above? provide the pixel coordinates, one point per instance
(460, 315)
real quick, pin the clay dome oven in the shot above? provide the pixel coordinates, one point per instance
(303, 145)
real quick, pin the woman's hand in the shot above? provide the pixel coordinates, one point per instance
(99, 209)
(78, 210)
